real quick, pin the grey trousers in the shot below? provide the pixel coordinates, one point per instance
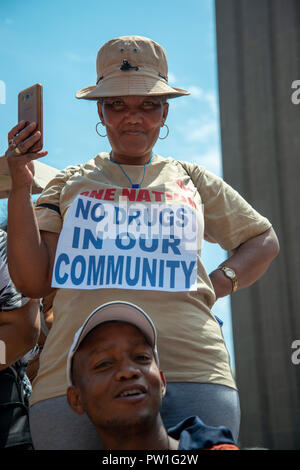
(54, 425)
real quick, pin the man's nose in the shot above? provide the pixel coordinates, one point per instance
(128, 370)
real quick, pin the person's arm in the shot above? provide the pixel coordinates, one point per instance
(30, 254)
(249, 261)
(19, 331)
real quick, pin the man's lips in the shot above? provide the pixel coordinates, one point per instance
(131, 391)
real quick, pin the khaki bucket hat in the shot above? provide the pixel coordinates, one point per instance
(131, 65)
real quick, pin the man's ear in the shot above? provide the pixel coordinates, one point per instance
(163, 384)
(73, 397)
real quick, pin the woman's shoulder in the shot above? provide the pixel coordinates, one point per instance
(192, 169)
(90, 165)
(186, 165)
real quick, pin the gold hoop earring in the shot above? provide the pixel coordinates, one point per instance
(163, 138)
(97, 130)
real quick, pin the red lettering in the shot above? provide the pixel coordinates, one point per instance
(129, 194)
(109, 195)
(192, 203)
(143, 195)
(180, 183)
(158, 195)
(97, 194)
(182, 186)
(179, 197)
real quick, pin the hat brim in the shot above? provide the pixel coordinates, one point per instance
(114, 311)
(130, 85)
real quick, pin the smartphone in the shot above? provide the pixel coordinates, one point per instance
(30, 109)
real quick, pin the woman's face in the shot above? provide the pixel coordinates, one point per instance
(132, 125)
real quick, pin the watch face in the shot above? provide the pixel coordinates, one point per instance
(230, 273)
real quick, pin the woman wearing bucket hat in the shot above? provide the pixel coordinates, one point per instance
(131, 93)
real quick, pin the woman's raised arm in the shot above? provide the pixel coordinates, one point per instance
(30, 253)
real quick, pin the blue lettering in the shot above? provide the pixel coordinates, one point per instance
(148, 213)
(76, 235)
(96, 208)
(134, 216)
(129, 280)
(188, 272)
(161, 273)
(95, 272)
(170, 220)
(172, 243)
(121, 245)
(172, 265)
(113, 270)
(153, 247)
(63, 258)
(180, 213)
(89, 237)
(78, 261)
(148, 272)
(82, 209)
(122, 212)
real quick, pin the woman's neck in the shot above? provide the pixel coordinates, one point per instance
(130, 160)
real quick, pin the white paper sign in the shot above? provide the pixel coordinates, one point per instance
(106, 244)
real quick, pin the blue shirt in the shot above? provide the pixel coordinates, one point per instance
(193, 434)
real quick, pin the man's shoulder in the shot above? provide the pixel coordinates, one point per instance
(193, 434)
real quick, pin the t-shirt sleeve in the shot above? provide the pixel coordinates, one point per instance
(47, 207)
(10, 297)
(193, 434)
(229, 219)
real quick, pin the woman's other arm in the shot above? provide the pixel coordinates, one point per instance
(249, 261)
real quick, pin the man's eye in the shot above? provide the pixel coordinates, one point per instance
(103, 365)
(143, 357)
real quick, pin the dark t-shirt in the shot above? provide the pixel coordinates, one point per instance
(193, 434)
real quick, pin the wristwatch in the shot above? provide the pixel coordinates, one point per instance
(229, 272)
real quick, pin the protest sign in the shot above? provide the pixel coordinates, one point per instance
(107, 244)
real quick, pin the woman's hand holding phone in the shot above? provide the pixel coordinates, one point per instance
(21, 139)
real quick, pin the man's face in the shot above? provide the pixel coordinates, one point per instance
(117, 382)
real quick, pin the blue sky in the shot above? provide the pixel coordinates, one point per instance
(55, 43)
